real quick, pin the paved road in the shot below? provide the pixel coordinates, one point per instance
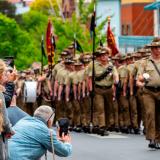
(113, 147)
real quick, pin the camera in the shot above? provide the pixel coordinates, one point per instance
(63, 124)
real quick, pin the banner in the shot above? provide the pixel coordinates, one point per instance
(49, 44)
(111, 40)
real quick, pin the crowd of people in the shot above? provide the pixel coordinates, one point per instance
(125, 91)
(23, 136)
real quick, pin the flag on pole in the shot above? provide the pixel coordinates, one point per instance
(77, 46)
(100, 43)
(93, 24)
(49, 44)
(111, 40)
(42, 48)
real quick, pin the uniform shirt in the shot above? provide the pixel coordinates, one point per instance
(71, 78)
(57, 67)
(131, 70)
(62, 75)
(148, 67)
(123, 73)
(100, 69)
(81, 75)
(32, 140)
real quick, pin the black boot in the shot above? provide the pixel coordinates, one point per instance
(152, 144)
(103, 131)
(86, 129)
(136, 131)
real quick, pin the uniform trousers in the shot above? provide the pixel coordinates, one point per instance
(103, 107)
(151, 102)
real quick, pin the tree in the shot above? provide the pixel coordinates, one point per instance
(35, 23)
(7, 8)
(16, 42)
(48, 7)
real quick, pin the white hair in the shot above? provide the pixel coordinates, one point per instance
(44, 112)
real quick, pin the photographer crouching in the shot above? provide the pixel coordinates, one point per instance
(34, 136)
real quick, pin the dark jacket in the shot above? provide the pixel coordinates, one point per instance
(8, 94)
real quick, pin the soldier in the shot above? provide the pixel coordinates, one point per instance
(132, 89)
(149, 78)
(85, 100)
(116, 63)
(19, 89)
(105, 76)
(63, 91)
(124, 114)
(75, 94)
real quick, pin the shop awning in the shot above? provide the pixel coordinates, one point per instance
(152, 6)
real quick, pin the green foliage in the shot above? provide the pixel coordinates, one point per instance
(15, 42)
(47, 7)
(23, 39)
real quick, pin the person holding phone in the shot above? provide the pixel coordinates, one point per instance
(34, 136)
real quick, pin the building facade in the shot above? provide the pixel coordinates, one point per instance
(137, 25)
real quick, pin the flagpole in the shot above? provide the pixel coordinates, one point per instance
(93, 71)
(74, 44)
(42, 56)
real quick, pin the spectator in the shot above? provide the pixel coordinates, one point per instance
(14, 112)
(9, 78)
(34, 137)
(5, 128)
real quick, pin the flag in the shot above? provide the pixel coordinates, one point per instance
(42, 48)
(49, 44)
(93, 24)
(77, 46)
(111, 40)
(100, 43)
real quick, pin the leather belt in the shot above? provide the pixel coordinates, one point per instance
(153, 89)
(103, 87)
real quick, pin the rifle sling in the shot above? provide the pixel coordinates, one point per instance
(103, 75)
(155, 66)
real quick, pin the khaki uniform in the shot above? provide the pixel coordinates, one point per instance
(103, 100)
(20, 85)
(124, 114)
(151, 97)
(132, 99)
(58, 74)
(72, 79)
(139, 94)
(85, 102)
(66, 109)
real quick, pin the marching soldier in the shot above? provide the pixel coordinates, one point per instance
(85, 100)
(132, 94)
(116, 63)
(63, 91)
(149, 78)
(105, 76)
(124, 114)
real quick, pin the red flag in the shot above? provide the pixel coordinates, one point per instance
(111, 40)
(49, 44)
